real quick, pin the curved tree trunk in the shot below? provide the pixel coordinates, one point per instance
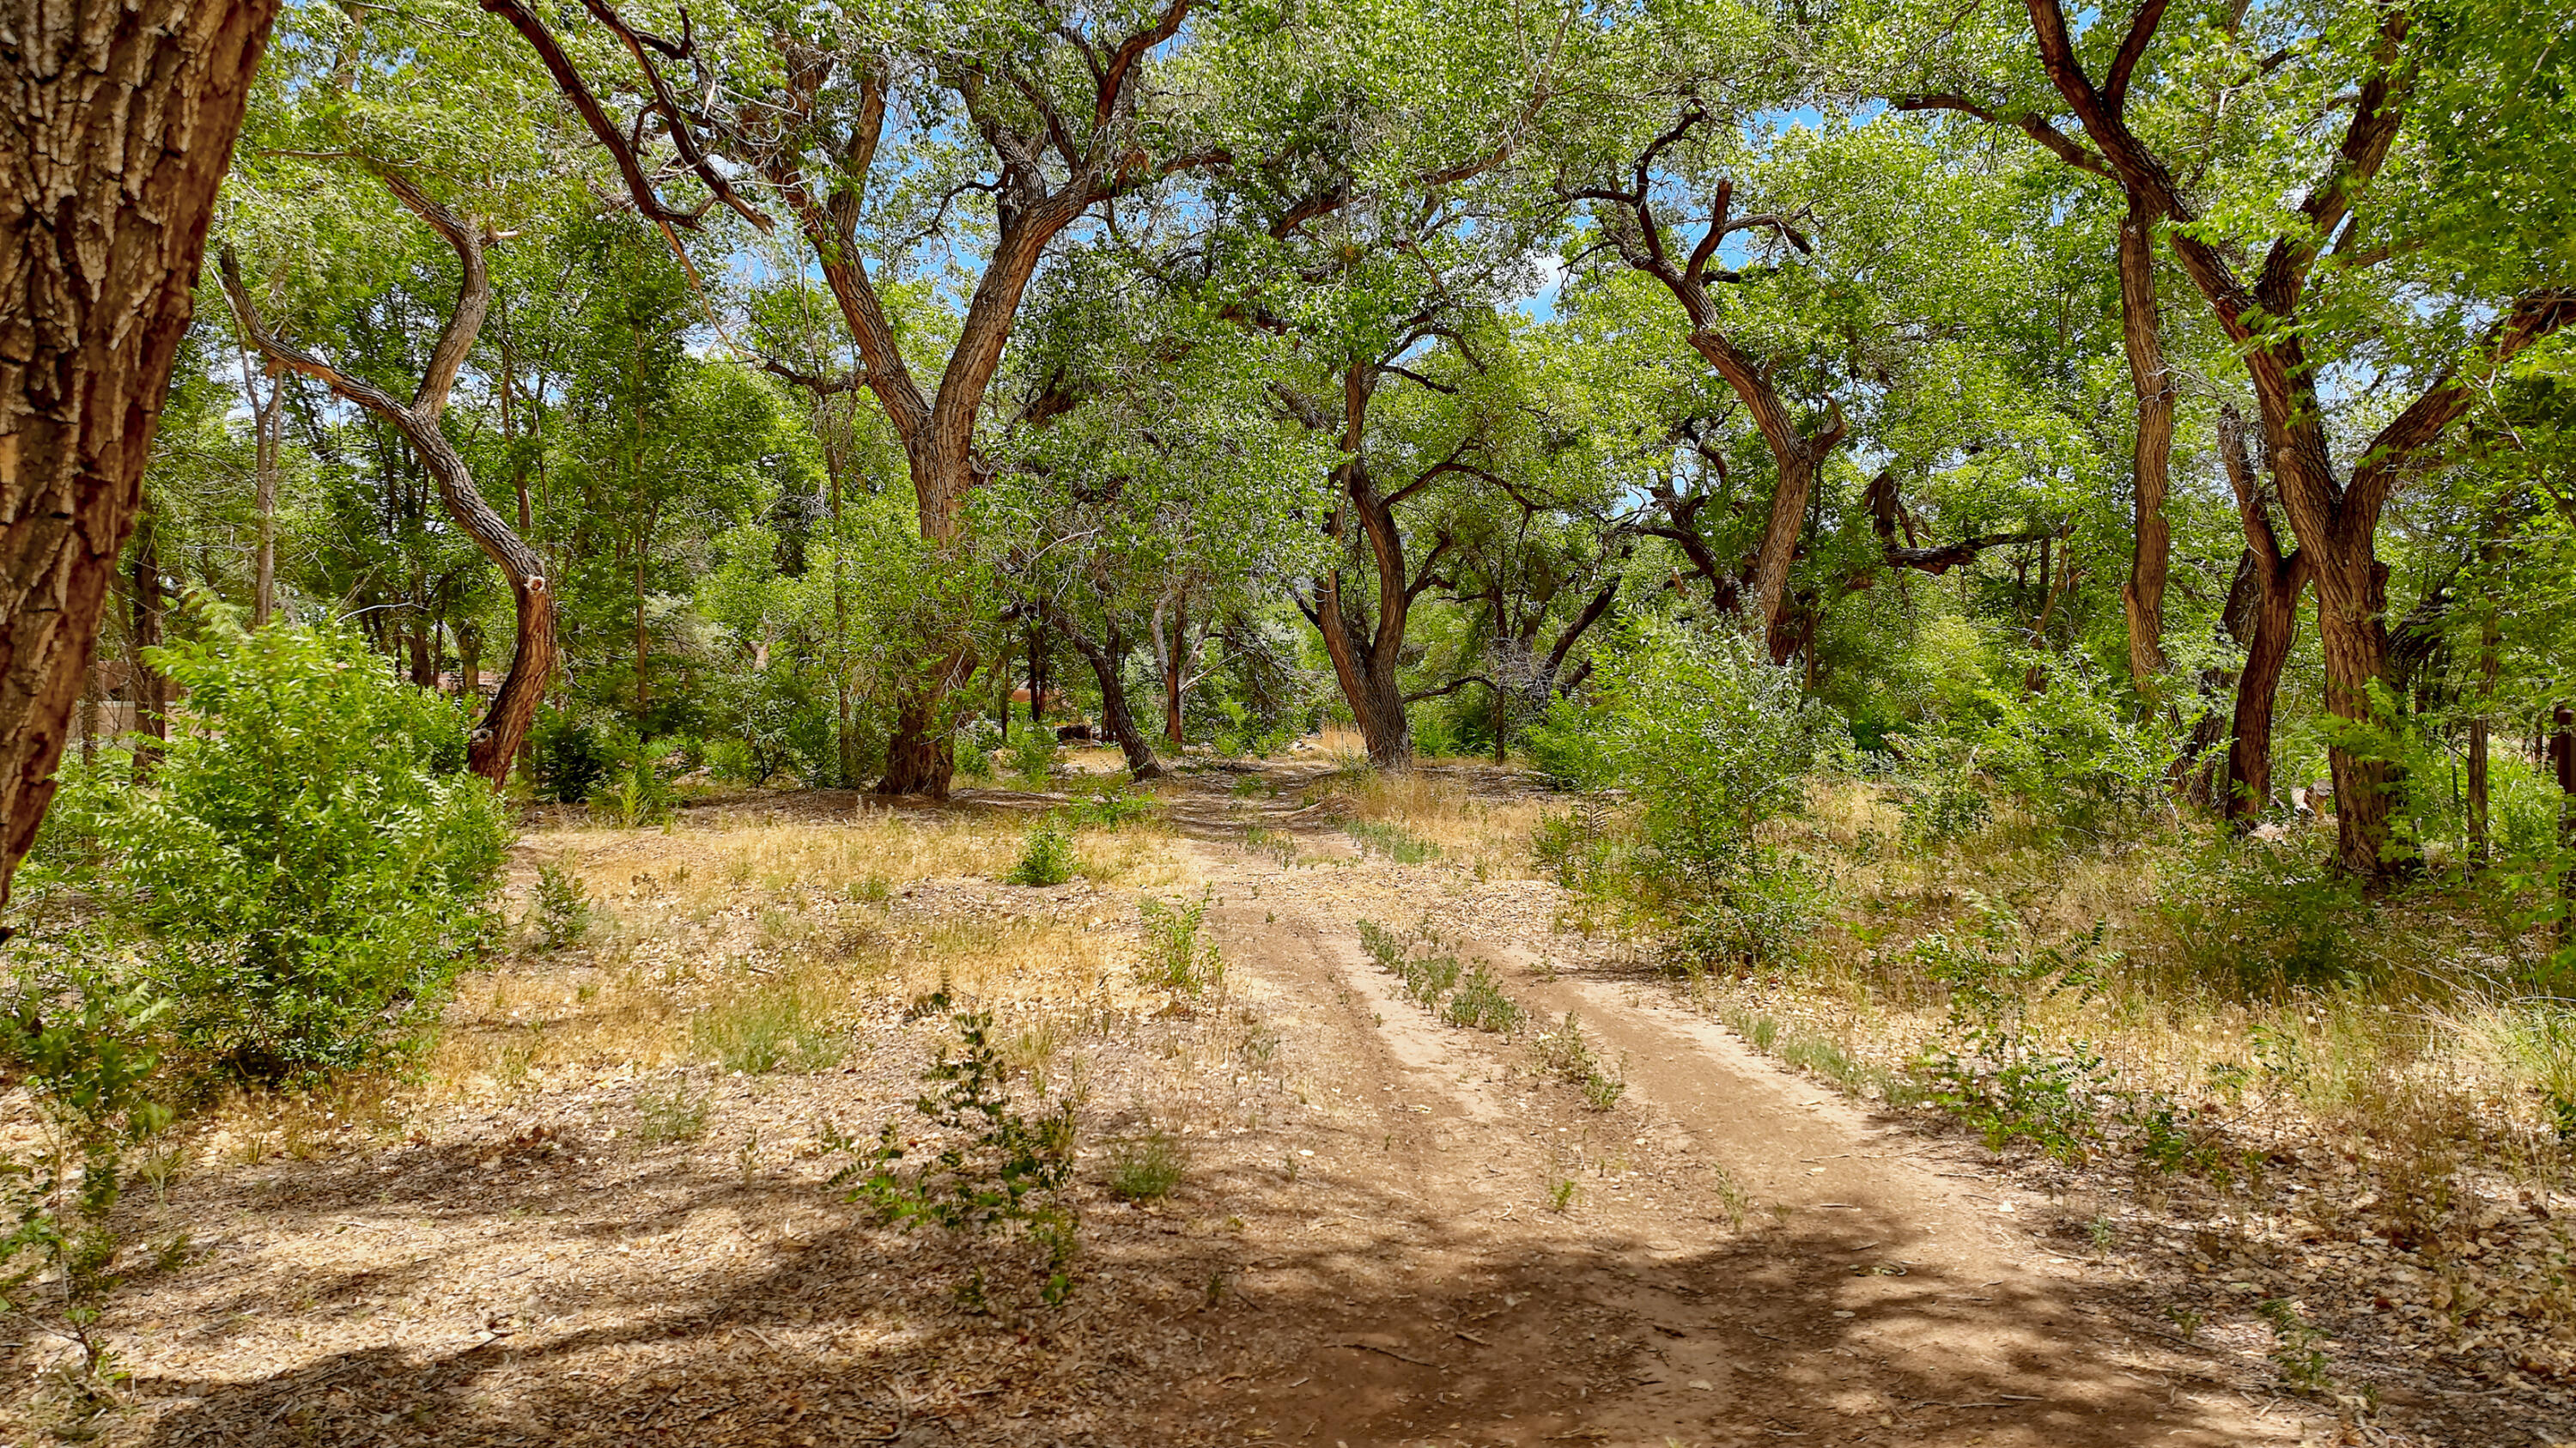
(1115, 716)
(121, 120)
(2143, 598)
(495, 741)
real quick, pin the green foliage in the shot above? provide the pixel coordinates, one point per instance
(82, 1048)
(1991, 1069)
(637, 795)
(572, 758)
(1046, 854)
(993, 1168)
(1175, 958)
(1032, 754)
(301, 879)
(561, 911)
(1479, 1001)
(2263, 916)
(1568, 749)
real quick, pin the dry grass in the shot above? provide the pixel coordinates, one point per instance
(2422, 1050)
(1485, 828)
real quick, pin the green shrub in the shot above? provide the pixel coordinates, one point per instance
(1046, 855)
(1991, 1070)
(81, 1046)
(570, 756)
(302, 878)
(1566, 747)
(1032, 753)
(1479, 1001)
(1146, 1168)
(561, 913)
(987, 1165)
(2263, 916)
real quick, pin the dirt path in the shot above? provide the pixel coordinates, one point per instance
(1878, 1288)
(1390, 1229)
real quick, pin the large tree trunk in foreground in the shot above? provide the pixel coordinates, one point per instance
(2143, 598)
(120, 122)
(495, 741)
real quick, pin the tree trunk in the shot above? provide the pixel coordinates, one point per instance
(2268, 629)
(920, 758)
(120, 120)
(2352, 599)
(1175, 663)
(2258, 687)
(91, 697)
(496, 740)
(2143, 598)
(1115, 716)
(151, 688)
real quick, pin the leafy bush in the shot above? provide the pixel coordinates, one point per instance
(1710, 736)
(636, 794)
(1479, 1002)
(571, 757)
(786, 728)
(2265, 916)
(994, 1168)
(1032, 753)
(1991, 1071)
(81, 1046)
(2069, 751)
(1046, 855)
(302, 878)
(1568, 749)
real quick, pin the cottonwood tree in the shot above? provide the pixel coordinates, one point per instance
(876, 137)
(1662, 158)
(1957, 86)
(2324, 246)
(121, 119)
(316, 118)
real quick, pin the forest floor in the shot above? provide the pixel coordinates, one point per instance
(579, 1227)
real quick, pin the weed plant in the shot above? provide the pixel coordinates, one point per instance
(1176, 959)
(671, 1115)
(1147, 1168)
(764, 1031)
(1393, 841)
(561, 913)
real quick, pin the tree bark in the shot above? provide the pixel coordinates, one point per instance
(2268, 633)
(2151, 545)
(1105, 659)
(120, 122)
(495, 741)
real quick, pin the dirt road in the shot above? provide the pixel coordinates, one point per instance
(1743, 1257)
(1389, 1230)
